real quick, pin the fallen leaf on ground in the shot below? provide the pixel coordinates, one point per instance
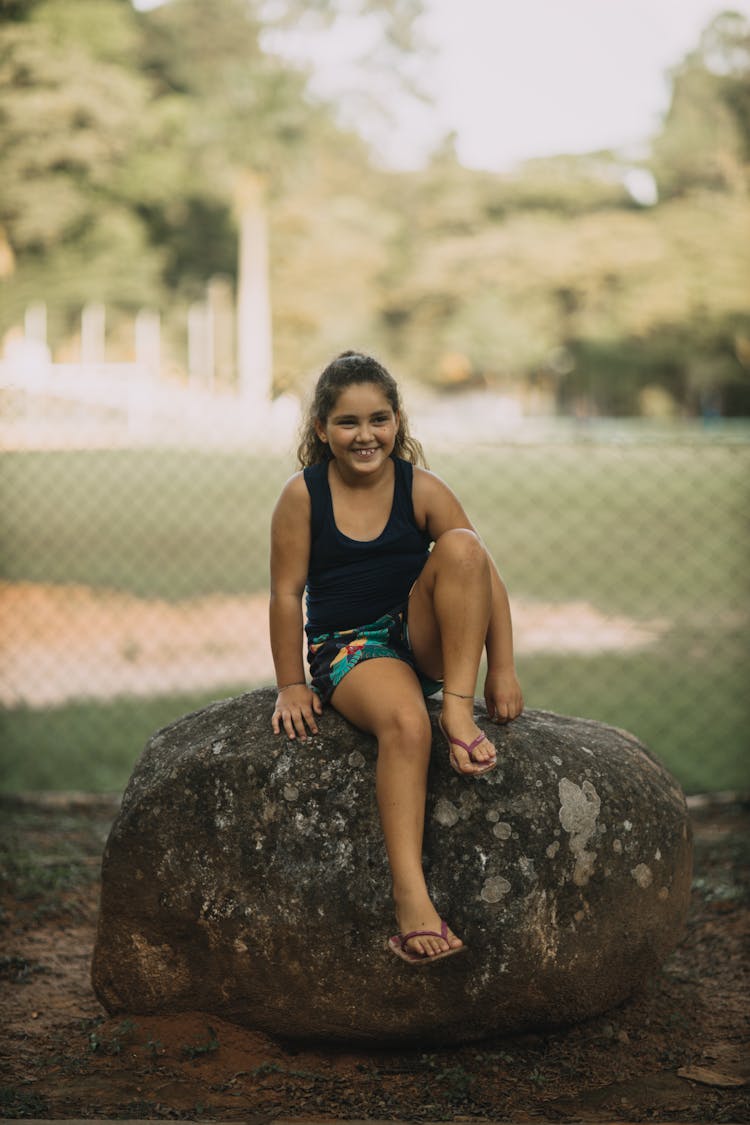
(708, 1077)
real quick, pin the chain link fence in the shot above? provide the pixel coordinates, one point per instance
(134, 585)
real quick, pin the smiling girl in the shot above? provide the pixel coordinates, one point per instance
(389, 620)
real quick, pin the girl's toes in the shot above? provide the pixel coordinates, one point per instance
(423, 947)
(443, 945)
(465, 763)
(487, 751)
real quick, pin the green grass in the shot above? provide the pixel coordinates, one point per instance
(639, 529)
(94, 746)
(662, 702)
(652, 530)
(87, 746)
(636, 529)
(157, 523)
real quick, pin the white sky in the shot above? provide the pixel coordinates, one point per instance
(522, 78)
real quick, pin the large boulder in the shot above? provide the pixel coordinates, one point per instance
(246, 876)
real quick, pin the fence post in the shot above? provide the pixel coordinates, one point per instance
(200, 349)
(92, 334)
(148, 341)
(219, 301)
(35, 323)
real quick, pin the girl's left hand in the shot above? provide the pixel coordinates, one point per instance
(502, 694)
(295, 711)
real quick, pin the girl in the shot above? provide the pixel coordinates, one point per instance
(388, 620)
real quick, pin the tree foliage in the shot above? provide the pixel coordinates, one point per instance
(72, 121)
(560, 259)
(705, 140)
(122, 134)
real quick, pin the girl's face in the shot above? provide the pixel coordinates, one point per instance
(361, 429)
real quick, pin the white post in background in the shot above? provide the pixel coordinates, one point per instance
(194, 338)
(142, 383)
(92, 334)
(148, 341)
(254, 347)
(200, 345)
(29, 360)
(35, 323)
(219, 298)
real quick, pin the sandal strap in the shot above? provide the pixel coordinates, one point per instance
(468, 746)
(403, 938)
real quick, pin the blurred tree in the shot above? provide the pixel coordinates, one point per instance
(72, 118)
(331, 234)
(559, 258)
(481, 260)
(705, 140)
(245, 112)
(129, 139)
(250, 124)
(570, 185)
(15, 9)
(127, 136)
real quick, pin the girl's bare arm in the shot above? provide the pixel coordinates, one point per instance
(296, 705)
(438, 509)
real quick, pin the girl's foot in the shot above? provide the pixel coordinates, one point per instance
(457, 722)
(414, 915)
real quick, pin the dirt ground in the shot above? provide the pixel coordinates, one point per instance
(677, 1051)
(77, 642)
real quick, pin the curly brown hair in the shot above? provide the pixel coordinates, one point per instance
(345, 370)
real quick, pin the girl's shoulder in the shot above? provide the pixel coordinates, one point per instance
(433, 500)
(294, 494)
(428, 484)
(295, 483)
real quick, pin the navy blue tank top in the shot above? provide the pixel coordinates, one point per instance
(352, 583)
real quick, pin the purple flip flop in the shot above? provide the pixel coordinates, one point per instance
(397, 945)
(469, 747)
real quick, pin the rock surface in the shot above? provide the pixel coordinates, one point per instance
(245, 875)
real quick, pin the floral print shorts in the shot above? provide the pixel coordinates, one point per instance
(332, 655)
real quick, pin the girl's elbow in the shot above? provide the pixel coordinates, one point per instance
(285, 596)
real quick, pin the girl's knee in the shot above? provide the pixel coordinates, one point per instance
(463, 547)
(409, 727)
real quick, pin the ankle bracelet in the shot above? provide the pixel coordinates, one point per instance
(457, 693)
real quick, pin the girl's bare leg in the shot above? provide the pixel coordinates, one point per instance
(449, 614)
(383, 697)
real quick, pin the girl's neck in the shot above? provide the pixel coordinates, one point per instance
(362, 508)
(365, 482)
